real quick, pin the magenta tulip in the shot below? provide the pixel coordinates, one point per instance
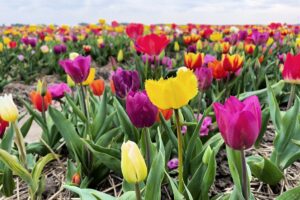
(58, 90)
(239, 122)
(78, 69)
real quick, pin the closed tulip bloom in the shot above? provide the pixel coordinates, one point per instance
(97, 87)
(205, 77)
(58, 90)
(37, 100)
(78, 69)
(8, 109)
(152, 44)
(193, 60)
(125, 81)
(142, 113)
(249, 48)
(134, 30)
(218, 70)
(232, 63)
(291, 70)
(3, 125)
(239, 122)
(225, 47)
(173, 92)
(133, 165)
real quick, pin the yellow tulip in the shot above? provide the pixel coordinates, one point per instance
(133, 165)
(216, 36)
(173, 92)
(120, 56)
(1, 46)
(8, 109)
(70, 82)
(176, 46)
(6, 40)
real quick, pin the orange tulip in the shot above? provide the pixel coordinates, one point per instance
(218, 70)
(225, 47)
(97, 87)
(232, 63)
(37, 100)
(187, 39)
(193, 60)
(249, 48)
(112, 86)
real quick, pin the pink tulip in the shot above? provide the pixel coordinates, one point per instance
(239, 122)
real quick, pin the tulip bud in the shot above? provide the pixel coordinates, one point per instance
(41, 87)
(76, 179)
(205, 77)
(120, 56)
(97, 86)
(73, 55)
(133, 165)
(207, 155)
(176, 46)
(199, 45)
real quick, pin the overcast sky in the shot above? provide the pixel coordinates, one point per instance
(146, 11)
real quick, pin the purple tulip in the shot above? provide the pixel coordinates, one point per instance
(166, 61)
(259, 38)
(125, 81)
(58, 90)
(206, 124)
(60, 48)
(192, 49)
(209, 58)
(239, 122)
(78, 69)
(205, 77)
(173, 164)
(243, 34)
(33, 42)
(142, 113)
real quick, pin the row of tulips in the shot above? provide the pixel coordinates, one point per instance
(153, 121)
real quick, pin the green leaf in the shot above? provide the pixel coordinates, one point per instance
(37, 117)
(100, 116)
(293, 194)
(264, 170)
(169, 131)
(39, 166)
(125, 122)
(176, 193)
(75, 108)
(89, 194)
(26, 126)
(15, 166)
(128, 196)
(8, 182)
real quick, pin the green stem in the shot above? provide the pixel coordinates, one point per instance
(292, 96)
(244, 176)
(148, 150)
(19, 140)
(180, 157)
(138, 192)
(83, 99)
(199, 103)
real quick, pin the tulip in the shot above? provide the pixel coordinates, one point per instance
(140, 110)
(204, 76)
(3, 125)
(239, 122)
(260, 38)
(291, 74)
(97, 87)
(125, 81)
(232, 63)
(199, 45)
(193, 61)
(176, 46)
(44, 49)
(58, 90)
(78, 69)
(1, 47)
(133, 165)
(164, 95)
(134, 30)
(225, 47)
(76, 179)
(217, 69)
(8, 109)
(187, 39)
(173, 163)
(40, 102)
(216, 36)
(249, 48)
(151, 44)
(90, 78)
(167, 114)
(59, 49)
(120, 56)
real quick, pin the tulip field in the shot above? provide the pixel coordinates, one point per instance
(163, 111)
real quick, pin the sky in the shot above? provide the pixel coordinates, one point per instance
(73, 12)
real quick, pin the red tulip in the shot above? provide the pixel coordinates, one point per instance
(239, 122)
(134, 30)
(193, 60)
(218, 69)
(291, 70)
(37, 100)
(152, 44)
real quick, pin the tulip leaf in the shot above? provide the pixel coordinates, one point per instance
(26, 126)
(293, 194)
(37, 117)
(128, 196)
(125, 123)
(8, 179)
(75, 108)
(264, 170)
(39, 166)
(176, 193)
(100, 116)
(11, 162)
(169, 131)
(89, 194)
